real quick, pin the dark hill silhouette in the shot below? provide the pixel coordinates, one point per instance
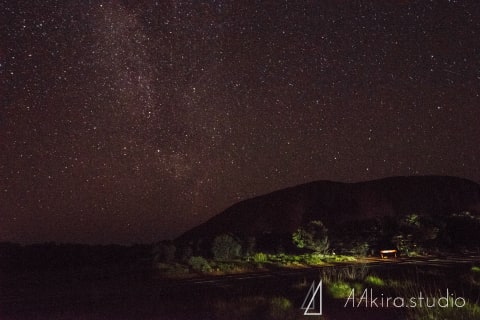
(283, 211)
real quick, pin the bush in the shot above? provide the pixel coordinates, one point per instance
(199, 264)
(313, 236)
(313, 259)
(360, 249)
(225, 267)
(260, 257)
(225, 247)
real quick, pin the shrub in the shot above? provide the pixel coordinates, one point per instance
(225, 247)
(313, 259)
(199, 264)
(260, 257)
(360, 249)
(225, 267)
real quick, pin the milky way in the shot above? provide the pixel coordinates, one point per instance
(131, 121)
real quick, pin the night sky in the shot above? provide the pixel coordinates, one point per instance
(132, 121)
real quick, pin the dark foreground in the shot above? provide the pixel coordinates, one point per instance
(275, 295)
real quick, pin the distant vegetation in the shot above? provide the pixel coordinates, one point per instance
(313, 244)
(225, 247)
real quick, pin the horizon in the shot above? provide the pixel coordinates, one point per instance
(125, 244)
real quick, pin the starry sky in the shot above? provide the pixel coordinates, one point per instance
(132, 121)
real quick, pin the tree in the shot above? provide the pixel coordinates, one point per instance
(225, 247)
(416, 232)
(313, 236)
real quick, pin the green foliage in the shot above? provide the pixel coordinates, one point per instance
(313, 259)
(338, 258)
(225, 267)
(280, 258)
(225, 247)
(199, 264)
(415, 233)
(475, 269)
(298, 238)
(339, 289)
(359, 248)
(260, 257)
(468, 312)
(313, 236)
(374, 281)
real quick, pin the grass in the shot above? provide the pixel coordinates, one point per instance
(468, 312)
(374, 281)
(338, 283)
(339, 289)
(432, 285)
(273, 299)
(258, 262)
(433, 289)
